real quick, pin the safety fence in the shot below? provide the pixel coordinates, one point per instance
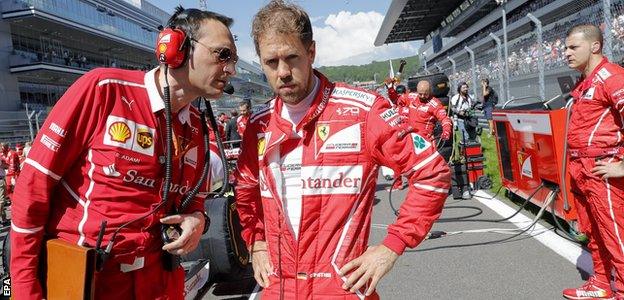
(532, 62)
(22, 126)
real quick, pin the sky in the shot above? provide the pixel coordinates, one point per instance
(344, 30)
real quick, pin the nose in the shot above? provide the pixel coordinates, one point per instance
(283, 71)
(230, 68)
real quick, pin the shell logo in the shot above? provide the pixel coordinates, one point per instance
(162, 48)
(119, 132)
(261, 146)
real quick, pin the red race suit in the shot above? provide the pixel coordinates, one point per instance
(332, 158)
(423, 115)
(595, 133)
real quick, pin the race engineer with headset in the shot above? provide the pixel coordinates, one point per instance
(596, 167)
(306, 177)
(100, 157)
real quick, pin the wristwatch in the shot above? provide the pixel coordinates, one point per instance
(206, 221)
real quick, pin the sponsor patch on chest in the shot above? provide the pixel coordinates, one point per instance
(127, 134)
(348, 93)
(263, 139)
(327, 180)
(604, 74)
(335, 138)
(190, 157)
(589, 95)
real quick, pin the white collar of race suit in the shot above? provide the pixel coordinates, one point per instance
(157, 103)
(295, 112)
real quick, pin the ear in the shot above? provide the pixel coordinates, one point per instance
(312, 52)
(595, 47)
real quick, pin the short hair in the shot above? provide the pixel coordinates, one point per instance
(281, 17)
(234, 113)
(486, 80)
(400, 89)
(590, 32)
(243, 103)
(190, 20)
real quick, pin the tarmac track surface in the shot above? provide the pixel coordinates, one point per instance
(463, 266)
(466, 266)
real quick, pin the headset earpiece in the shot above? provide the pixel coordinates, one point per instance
(172, 47)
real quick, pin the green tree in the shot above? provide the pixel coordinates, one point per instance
(367, 72)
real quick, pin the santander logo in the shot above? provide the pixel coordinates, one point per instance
(322, 180)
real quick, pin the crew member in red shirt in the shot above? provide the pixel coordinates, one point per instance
(12, 161)
(596, 167)
(425, 111)
(100, 156)
(243, 117)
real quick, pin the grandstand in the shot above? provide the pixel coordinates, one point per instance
(472, 23)
(48, 44)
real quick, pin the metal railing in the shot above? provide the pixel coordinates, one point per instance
(533, 57)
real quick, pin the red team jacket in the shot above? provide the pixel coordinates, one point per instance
(99, 156)
(593, 124)
(423, 116)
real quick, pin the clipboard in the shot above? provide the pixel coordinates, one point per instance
(69, 271)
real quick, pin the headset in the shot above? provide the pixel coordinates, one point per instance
(173, 43)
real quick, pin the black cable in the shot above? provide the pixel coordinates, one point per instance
(526, 201)
(396, 211)
(441, 233)
(471, 244)
(169, 142)
(188, 197)
(500, 188)
(168, 138)
(576, 238)
(213, 124)
(461, 219)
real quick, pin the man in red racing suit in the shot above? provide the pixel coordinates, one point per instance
(338, 168)
(595, 149)
(12, 160)
(307, 173)
(424, 111)
(395, 91)
(100, 157)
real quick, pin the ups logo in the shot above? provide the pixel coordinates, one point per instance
(144, 138)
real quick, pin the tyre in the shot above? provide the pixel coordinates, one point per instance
(222, 244)
(439, 84)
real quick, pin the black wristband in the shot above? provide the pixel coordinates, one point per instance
(206, 222)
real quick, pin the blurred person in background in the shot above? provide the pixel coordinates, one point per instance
(490, 99)
(231, 129)
(12, 160)
(462, 105)
(244, 110)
